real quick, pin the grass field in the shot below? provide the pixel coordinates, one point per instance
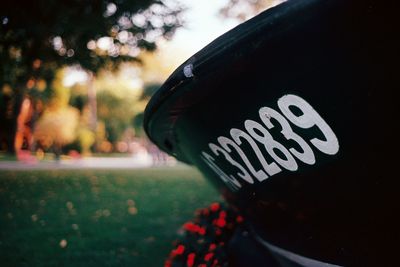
(96, 217)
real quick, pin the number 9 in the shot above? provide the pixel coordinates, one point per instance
(308, 119)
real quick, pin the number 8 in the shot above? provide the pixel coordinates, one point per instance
(270, 145)
(308, 119)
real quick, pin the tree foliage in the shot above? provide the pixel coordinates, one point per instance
(57, 128)
(39, 37)
(116, 113)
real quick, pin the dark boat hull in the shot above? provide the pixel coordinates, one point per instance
(293, 116)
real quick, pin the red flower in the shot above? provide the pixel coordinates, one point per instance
(202, 230)
(220, 222)
(190, 260)
(168, 263)
(222, 214)
(179, 250)
(215, 207)
(191, 227)
(215, 262)
(212, 247)
(208, 256)
(194, 228)
(205, 238)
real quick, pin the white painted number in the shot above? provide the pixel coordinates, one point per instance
(307, 156)
(259, 133)
(271, 168)
(271, 145)
(308, 119)
(226, 143)
(244, 174)
(231, 182)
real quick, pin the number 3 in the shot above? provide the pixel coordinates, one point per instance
(307, 156)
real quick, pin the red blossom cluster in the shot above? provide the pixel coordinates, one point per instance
(204, 240)
(194, 228)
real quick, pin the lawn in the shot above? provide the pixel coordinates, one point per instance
(96, 217)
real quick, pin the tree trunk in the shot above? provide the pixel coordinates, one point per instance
(92, 99)
(57, 150)
(12, 119)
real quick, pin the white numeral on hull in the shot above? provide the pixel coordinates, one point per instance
(256, 132)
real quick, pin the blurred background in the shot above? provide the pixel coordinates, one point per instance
(80, 183)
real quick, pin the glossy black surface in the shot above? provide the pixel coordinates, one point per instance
(342, 58)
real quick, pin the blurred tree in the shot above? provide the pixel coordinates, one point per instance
(149, 90)
(57, 128)
(137, 122)
(116, 112)
(158, 66)
(86, 139)
(39, 37)
(58, 123)
(244, 9)
(117, 102)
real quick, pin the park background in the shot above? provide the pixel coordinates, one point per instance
(80, 183)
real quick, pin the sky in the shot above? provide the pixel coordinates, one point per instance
(202, 25)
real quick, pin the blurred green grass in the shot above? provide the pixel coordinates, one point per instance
(7, 157)
(96, 217)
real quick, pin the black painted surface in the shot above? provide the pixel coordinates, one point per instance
(341, 57)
